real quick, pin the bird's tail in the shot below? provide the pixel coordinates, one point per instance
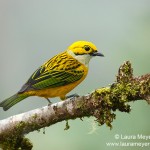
(9, 102)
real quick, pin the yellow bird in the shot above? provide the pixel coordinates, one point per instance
(57, 76)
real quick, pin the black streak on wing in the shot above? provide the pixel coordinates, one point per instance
(31, 81)
(43, 78)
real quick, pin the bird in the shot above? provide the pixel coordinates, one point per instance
(58, 76)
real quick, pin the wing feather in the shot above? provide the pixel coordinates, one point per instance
(55, 72)
(43, 78)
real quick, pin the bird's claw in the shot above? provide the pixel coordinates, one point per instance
(72, 96)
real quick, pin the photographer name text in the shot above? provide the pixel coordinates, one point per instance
(132, 137)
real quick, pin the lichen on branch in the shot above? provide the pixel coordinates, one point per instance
(101, 103)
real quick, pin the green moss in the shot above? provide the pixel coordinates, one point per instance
(145, 87)
(116, 97)
(34, 116)
(103, 114)
(67, 125)
(16, 140)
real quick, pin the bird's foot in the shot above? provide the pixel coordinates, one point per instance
(49, 102)
(72, 96)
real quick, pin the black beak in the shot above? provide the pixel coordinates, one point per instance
(97, 54)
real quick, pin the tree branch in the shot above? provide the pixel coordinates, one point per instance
(101, 104)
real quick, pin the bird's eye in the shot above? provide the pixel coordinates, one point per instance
(87, 48)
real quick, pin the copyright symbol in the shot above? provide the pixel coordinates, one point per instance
(116, 136)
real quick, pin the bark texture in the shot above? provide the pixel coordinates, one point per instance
(101, 103)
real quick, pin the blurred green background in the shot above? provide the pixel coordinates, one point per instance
(32, 31)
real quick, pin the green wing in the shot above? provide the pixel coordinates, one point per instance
(43, 78)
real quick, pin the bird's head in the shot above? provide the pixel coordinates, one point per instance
(83, 51)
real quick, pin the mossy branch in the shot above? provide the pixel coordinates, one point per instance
(101, 103)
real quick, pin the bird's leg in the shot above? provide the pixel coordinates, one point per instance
(49, 102)
(72, 96)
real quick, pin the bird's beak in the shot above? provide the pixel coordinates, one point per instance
(97, 54)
